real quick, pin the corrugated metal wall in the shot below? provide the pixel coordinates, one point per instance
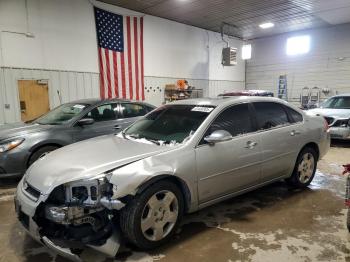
(322, 72)
(71, 85)
(79, 85)
(326, 65)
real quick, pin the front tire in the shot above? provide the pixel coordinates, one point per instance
(152, 217)
(304, 169)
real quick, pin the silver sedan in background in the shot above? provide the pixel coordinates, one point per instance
(181, 157)
(336, 110)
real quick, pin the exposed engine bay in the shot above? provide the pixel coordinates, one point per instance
(79, 213)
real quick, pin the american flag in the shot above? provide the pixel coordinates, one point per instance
(120, 52)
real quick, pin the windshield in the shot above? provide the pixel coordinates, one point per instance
(339, 102)
(169, 124)
(61, 114)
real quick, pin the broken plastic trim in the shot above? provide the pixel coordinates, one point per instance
(64, 252)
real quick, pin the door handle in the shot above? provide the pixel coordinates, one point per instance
(251, 144)
(294, 132)
(117, 127)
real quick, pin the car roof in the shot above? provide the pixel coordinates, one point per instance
(347, 94)
(218, 101)
(96, 101)
(250, 92)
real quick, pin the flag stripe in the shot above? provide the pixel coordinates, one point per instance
(102, 82)
(129, 55)
(123, 75)
(120, 84)
(105, 88)
(108, 72)
(115, 71)
(126, 61)
(136, 58)
(142, 73)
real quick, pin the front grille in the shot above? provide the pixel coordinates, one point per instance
(329, 120)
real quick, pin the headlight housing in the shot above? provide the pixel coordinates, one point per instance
(342, 123)
(9, 145)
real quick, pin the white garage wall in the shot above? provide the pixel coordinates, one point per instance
(327, 65)
(71, 86)
(64, 43)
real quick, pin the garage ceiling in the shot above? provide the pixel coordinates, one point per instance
(246, 15)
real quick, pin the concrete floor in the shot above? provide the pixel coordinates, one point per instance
(269, 224)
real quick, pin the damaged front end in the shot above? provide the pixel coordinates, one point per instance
(79, 214)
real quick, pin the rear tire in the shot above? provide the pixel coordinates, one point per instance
(304, 169)
(40, 153)
(152, 217)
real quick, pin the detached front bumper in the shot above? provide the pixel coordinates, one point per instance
(26, 210)
(340, 132)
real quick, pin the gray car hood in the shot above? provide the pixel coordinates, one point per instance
(87, 159)
(329, 112)
(20, 129)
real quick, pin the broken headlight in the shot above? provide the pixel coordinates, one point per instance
(77, 199)
(87, 192)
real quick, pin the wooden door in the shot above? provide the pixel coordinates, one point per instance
(34, 99)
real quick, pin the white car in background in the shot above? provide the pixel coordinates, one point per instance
(336, 110)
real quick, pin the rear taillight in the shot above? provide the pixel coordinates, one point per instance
(326, 126)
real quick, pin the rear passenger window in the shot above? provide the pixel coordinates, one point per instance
(270, 115)
(295, 116)
(236, 120)
(133, 110)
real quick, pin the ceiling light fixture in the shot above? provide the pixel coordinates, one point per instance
(266, 25)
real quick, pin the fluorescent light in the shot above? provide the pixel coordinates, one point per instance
(246, 52)
(298, 45)
(266, 25)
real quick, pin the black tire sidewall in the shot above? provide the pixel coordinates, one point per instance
(140, 202)
(294, 179)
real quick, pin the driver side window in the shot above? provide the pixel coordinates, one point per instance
(236, 120)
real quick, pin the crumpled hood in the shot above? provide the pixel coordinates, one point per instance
(87, 159)
(329, 112)
(20, 129)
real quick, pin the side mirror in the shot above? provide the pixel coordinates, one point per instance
(218, 136)
(85, 121)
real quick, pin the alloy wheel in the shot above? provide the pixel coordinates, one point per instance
(306, 168)
(159, 215)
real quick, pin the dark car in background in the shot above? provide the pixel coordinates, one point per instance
(248, 93)
(21, 144)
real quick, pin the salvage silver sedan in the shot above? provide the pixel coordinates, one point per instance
(137, 185)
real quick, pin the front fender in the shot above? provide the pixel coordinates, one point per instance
(179, 163)
(130, 177)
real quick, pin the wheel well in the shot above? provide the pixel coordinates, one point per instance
(314, 146)
(33, 150)
(176, 180)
